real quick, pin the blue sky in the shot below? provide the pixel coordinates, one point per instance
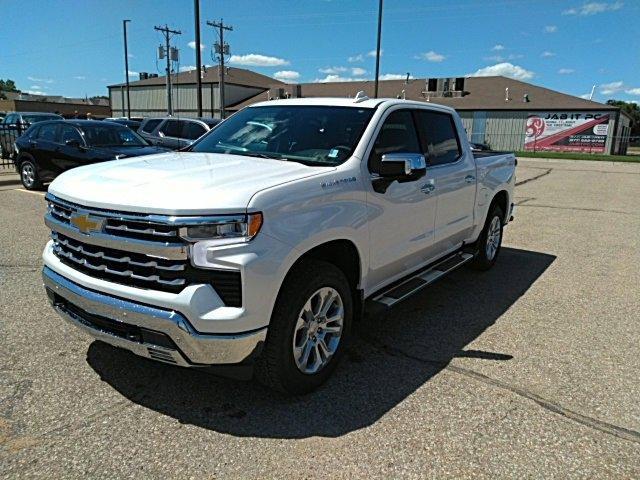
(74, 48)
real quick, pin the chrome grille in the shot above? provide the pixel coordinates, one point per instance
(122, 267)
(138, 250)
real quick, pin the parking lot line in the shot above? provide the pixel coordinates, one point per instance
(29, 191)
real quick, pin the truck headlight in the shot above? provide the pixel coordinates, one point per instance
(224, 230)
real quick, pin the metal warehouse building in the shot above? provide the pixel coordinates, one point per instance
(503, 113)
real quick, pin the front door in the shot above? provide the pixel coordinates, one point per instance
(401, 220)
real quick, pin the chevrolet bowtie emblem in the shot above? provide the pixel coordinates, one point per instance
(86, 223)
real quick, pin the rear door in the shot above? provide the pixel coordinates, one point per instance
(453, 172)
(44, 147)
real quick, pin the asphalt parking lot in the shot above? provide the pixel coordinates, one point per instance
(529, 370)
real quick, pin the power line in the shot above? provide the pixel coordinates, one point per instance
(222, 49)
(168, 53)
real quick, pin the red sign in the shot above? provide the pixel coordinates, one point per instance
(567, 132)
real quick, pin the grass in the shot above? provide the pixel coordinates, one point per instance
(580, 156)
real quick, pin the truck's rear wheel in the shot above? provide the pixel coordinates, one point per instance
(490, 240)
(309, 329)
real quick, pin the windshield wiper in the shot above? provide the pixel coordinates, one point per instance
(259, 155)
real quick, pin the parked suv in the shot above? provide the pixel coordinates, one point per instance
(14, 124)
(175, 133)
(49, 148)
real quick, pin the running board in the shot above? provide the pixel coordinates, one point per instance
(418, 281)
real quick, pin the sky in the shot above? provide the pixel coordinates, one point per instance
(75, 48)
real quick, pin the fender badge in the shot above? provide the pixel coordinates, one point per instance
(335, 183)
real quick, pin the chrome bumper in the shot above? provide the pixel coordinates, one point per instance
(155, 333)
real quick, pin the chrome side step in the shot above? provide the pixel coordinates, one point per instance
(420, 280)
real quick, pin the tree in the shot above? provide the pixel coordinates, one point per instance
(8, 86)
(631, 109)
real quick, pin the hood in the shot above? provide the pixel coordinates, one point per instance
(177, 183)
(124, 151)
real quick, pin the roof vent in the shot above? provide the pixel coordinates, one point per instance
(360, 97)
(525, 98)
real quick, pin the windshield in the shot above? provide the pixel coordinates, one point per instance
(39, 118)
(112, 136)
(313, 135)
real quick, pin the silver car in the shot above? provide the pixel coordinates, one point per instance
(175, 133)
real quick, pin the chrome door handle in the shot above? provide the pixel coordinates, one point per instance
(427, 188)
(469, 179)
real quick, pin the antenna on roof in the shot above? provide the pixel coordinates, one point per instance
(360, 97)
(506, 94)
(593, 90)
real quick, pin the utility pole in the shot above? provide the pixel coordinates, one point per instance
(196, 11)
(167, 32)
(375, 93)
(126, 67)
(222, 50)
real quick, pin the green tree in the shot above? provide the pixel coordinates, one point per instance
(631, 109)
(7, 86)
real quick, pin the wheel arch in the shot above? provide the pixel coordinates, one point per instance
(501, 199)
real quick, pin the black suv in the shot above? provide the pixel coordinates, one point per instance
(49, 148)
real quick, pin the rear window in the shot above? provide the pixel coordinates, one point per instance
(151, 125)
(48, 132)
(439, 133)
(192, 130)
(172, 128)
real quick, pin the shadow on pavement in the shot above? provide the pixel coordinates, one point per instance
(436, 324)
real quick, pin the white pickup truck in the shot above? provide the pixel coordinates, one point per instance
(256, 250)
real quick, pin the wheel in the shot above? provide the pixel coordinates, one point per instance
(490, 240)
(309, 329)
(29, 175)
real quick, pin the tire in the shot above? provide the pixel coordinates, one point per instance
(29, 175)
(279, 367)
(490, 240)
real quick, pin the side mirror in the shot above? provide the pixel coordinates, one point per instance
(403, 167)
(73, 142)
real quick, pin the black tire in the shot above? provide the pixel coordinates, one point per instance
(483, 259)
(29, 175)
(276, 368)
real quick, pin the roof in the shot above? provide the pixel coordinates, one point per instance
(236, 76)
(483, 93)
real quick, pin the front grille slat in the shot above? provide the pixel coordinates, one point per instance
(131, 268)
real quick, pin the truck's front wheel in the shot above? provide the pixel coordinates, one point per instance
(309, 328)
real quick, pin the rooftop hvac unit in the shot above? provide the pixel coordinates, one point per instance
(459, 84)
(152, 75)
(297, 91)
(143, 75)
(432, 85)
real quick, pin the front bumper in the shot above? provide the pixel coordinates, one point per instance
(159, 334)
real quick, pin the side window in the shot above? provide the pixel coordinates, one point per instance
(172, 128)
(438, 132)
(398, 135)
(10, 119)
(48, 132)
(151, 125)
(70, 133)
(192, 130)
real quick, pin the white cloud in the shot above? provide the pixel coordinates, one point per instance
(358, 72)
(286, 75)
(187, 68)
(192, 45)
(585, 95)
(633, 91)
(36, 92)
(332, 70)
(547, 54)
(372, 53)
(497, 48)
(593, 8)
(551, 29)
(40, 80)
(257, 60)
(611, 88)
(80, 77)
(131, 55)
(394, 76)
(356, 58)
(338, 78)
(133, 74)
(432, 56)
(36, 87)
(505, 69)
(566, 71)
